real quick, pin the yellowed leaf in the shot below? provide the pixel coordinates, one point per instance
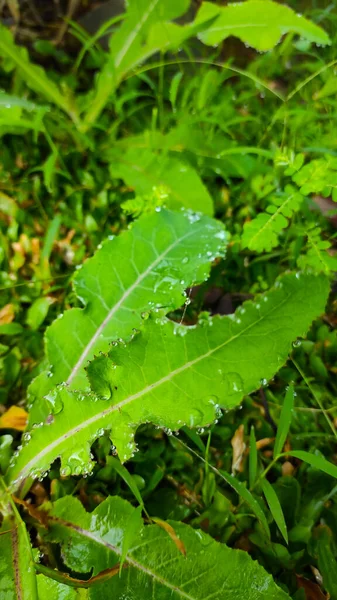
(14, 418)
(169, 529)
(260, 444)
(239, 448)
(7, 314)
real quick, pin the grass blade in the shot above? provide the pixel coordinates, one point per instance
(275, 508)
(247, 497)
(285, 420)
(315, 461)
(252, 457)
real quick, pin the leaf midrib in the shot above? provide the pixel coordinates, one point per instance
(130, 39)
(120, 302)
(272, 218)
(131, 561)
(79, 428)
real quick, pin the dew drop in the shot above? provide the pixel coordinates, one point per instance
(233, 383)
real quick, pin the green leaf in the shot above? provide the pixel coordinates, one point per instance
(144, 171)
(48, 589)
(319, 176)
(329, 88)
(37, 312)
(285, 420)
(317, 256)
(11, 329)
(248, 497)
(252, 457)
(275, 508)
(259, 23)
(132, 44)
(130, 482)
(144, 268)
(262, 233)
(131, 534)
(315, 461)
(154, 566)
(17, 572)
(165, 362)
(9, 101)
(125, 45)
(34, 76)
(327, 564)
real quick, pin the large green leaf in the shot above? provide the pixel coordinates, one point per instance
(145, 170)
(145, 267)
(173, 376)
(17, 572)
(259, 23)
(154, 567)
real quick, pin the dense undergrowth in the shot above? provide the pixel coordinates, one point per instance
(184, 422)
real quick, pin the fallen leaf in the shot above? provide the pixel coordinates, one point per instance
(7, 314)
(260, 444)
(312, 590)
(239, 448)
(14, 418)
(35, 247)
(287, 468)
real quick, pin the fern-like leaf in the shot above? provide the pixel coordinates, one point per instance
(317, 256)
(172, 376)
(262, 233)
(319, 176)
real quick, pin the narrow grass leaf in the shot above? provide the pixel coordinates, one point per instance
(247, 497)
(315, 461)
(252, 457)
(285, 420)
(125, 475)
(275, 508)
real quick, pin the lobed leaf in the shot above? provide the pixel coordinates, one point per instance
(173, 376)
(48, 589)
(154, 567)
(145, 267)
(17, 572)
(258, 23)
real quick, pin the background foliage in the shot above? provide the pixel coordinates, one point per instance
(173, 114)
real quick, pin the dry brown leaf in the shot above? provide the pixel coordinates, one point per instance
(7, 314)
(312, 590)
(14, 418)
(260, 444)
(287, 468)
(35, 246)
(239, 448)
